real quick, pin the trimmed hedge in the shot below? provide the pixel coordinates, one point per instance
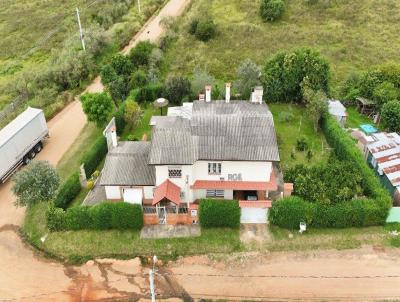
(68, 191)
(104, 216)
(289, 212)
(92, 158)
(214, 213)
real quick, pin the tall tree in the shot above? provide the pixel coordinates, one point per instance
(98, 107)
(248, 75)
(316, 104)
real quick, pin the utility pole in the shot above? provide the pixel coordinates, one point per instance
(151, 279)
(138, 2)
(80, 29)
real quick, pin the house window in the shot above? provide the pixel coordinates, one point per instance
(214, 168)
(215, 193)
(174, 172)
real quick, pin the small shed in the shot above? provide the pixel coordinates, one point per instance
(365, 106)
(338, 111)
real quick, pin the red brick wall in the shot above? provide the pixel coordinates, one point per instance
(172, 219)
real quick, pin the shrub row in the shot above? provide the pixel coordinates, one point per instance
(215, 213)
(361, 212)
(104, 216)
(92, 158)
(68, 191)
(289, 212)
(345, 149)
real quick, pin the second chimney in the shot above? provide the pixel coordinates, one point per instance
(208, 93)
(227, 92)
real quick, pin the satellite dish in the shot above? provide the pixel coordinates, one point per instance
(160, 103)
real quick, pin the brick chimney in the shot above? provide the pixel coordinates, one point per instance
(208, 93)
(227, 92)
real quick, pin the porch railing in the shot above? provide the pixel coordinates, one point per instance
(168, 210)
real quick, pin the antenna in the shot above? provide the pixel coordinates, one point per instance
(80, 29)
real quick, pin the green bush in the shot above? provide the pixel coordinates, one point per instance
(55, 218)
(119, 119)
(148, 93)
(359, 212)
(203, 29)
(68, 191)
(215, 213)
(391, 115)
(104, 216)
(285, 72)
(346, 149)
(271, 10)
(78, 218)
(92, 158)
(289, 212)
(301, 144)
(140, 54)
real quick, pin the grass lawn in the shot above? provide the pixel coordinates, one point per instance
(71, 160)
(289, 132)
(352, 35)
(79, 246)
(355, 119)
(143, 127)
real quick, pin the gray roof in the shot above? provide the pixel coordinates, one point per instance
(239, 130)
(336, 108)
(127, 164)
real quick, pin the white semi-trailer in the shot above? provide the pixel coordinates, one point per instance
(21, 140)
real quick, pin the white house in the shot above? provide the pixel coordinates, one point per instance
(217, 149)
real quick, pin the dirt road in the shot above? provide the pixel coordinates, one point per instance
(22, 274)
(361, 275)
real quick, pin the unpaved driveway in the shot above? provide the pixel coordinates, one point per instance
(25, 277)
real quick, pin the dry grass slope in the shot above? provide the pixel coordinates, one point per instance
(352, 35)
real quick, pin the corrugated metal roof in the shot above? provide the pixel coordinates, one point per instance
(127, 164)
(238, 130)
(336, 108)
(17, 124)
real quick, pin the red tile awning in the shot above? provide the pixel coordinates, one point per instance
(167, 190)
(270, 185)
(263, 204)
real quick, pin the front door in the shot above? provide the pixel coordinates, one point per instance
(162, 215)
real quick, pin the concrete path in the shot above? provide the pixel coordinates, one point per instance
(170, 231)
(23, 276)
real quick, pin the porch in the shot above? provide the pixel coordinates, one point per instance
(170, 214)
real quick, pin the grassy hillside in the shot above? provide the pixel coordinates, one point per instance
(352, 35)
(31, 29)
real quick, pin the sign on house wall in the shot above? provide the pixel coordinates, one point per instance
(235, 177)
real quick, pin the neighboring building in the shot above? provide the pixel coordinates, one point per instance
(338, 111)
(205, 149)
(383, 154)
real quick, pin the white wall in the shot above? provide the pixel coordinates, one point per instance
(113, 192)
(250, 171)
(148, 192)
